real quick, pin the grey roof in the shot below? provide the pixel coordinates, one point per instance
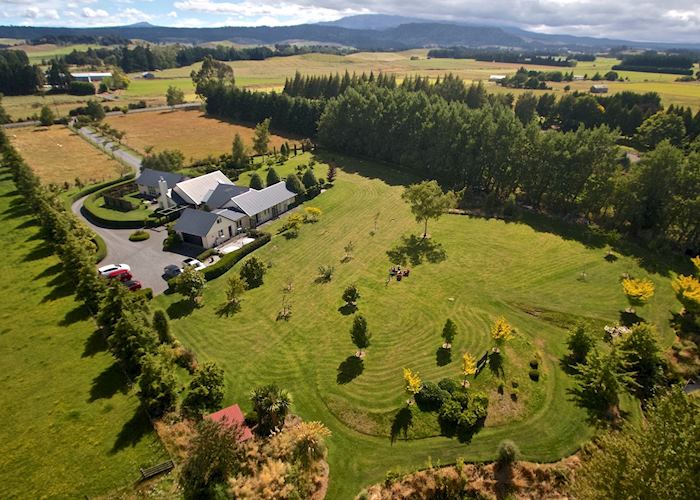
(222, 194)
(150, 178)
(200, 222)
(194, 190)
(253, 202)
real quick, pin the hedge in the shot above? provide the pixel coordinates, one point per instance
(101, 251)
(98, 187)
(139, 235)
(229, 260)
(111, 223)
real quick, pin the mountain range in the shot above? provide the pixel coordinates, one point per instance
(365, 32)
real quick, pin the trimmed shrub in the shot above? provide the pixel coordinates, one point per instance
(81, 88)
(431, 397)
(508, 452)
(449, 385)
(534, 375)
(230, 260)
(139, 235)
(206, 254)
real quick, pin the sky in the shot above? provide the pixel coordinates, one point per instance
(660, 20)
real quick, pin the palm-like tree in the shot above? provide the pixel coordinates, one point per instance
(271, 405)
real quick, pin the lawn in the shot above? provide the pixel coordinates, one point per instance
(205, 135)
(58, 155)
(71, 427)
(525, 272)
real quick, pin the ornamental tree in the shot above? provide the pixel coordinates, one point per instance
(239, 156)
(687, 290)
(252, 272)
(427, 202)
(360, 335)
(157, 385)
(468, 366)
(351, 295)
(638, 291)
(235, 288)
(206, 390)
(271, 404)
(501, 331)
(272, 177)
(580, 342)
(449, 331)
(191, 284)
(261, 141)
(256, 182)
(413, 382)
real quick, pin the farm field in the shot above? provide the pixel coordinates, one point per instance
(58, 155)
(525, 272)
(71, 427)
(193, 133)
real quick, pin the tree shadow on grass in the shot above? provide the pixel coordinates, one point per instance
(463, 434)
(59, 291)
(630, 318)
(94, 343)
(347, 309)
(349, 370)
(401, 423)
(568, 364)
(75, 315)
(49, 271)
(227, 309)
(181, 309)
(369, 169)
(39, 252)
(28, 223)
(414, 250)
(108, 383)
(496, 364)
(443, 356)
(133, 431)
(598, 413)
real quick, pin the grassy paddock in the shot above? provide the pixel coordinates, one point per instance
(166, 130)
(57, 155)
(71, 426)
(524, 272)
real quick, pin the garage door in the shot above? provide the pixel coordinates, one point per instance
(191, 238)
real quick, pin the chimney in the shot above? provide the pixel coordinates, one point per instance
(163, 200)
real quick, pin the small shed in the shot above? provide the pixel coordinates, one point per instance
(232, 416)
(497, 78)
(599, 89)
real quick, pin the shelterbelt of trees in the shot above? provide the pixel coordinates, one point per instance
(575, 169)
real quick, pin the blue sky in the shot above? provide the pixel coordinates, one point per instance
(659, 20)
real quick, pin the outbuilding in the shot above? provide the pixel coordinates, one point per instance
(232, 416)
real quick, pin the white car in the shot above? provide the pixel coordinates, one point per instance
(110, 268)
(194, 263)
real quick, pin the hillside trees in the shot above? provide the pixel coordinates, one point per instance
(17, 76)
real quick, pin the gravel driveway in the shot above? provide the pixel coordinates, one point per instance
(146, 258)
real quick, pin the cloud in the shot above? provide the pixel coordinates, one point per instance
(92, 13)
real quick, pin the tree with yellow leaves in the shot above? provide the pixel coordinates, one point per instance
(638, 291)
(413, 383)
(687, 289)
(501, 331)
(468, 367)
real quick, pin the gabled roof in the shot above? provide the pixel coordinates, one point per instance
(200, 222)
(222, 194)
(232, 416)
(194, 190)
(150, 178)
(253, 202)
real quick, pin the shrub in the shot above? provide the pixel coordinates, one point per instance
(431, 397)
(325, 273)
(206, 254)
(508, 452)
(449, 385)
(253, 272)
(81, 88)
(231, 259)
(162, 326)
(534, 375)
(139, 235)
(534, 364)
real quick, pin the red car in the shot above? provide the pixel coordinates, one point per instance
(120, 274)
(132, 285)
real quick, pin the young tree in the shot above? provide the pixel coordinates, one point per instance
(157, 385)
(449, 331)
(271, 404)
(332, 173)
(206, 390)
(351, 295)
(580, 342)
(256, 182)
(309, 178)
(261, 142)
(294, 184)
(239, 157)
(658, 459)
(349, 248)
(468, 367)
(501, 331)
(427, 202)
(214, 456)
(413, 383)
(638, 291)
(252, 272)
(162, 327)
(508, 453)
(174, 96)
(641, 351)
(191, 284)
(235, 288)
(359, 334)
(272, 177)
(46, 117)
(94, 110)
(313, 214)
(601, 381)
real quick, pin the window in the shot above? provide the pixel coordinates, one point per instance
(221, 233)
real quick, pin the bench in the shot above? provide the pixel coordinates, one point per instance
(156, 469)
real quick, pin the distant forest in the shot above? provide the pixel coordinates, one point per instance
(653, 62)
(509, 56)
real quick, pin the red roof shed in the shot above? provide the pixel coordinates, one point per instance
(232, 415)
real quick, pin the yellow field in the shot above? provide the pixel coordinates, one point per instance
(57, 155)
(196, 135)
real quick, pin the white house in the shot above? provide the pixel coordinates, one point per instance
(208, 229)
(192, 192)
(599, 89)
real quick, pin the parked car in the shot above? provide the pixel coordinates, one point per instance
(171, 271)
(105, 270)
(133, 285)
(120, 274)
(197, 265)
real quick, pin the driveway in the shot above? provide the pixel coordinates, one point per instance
(112, 149)
(146, 258)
